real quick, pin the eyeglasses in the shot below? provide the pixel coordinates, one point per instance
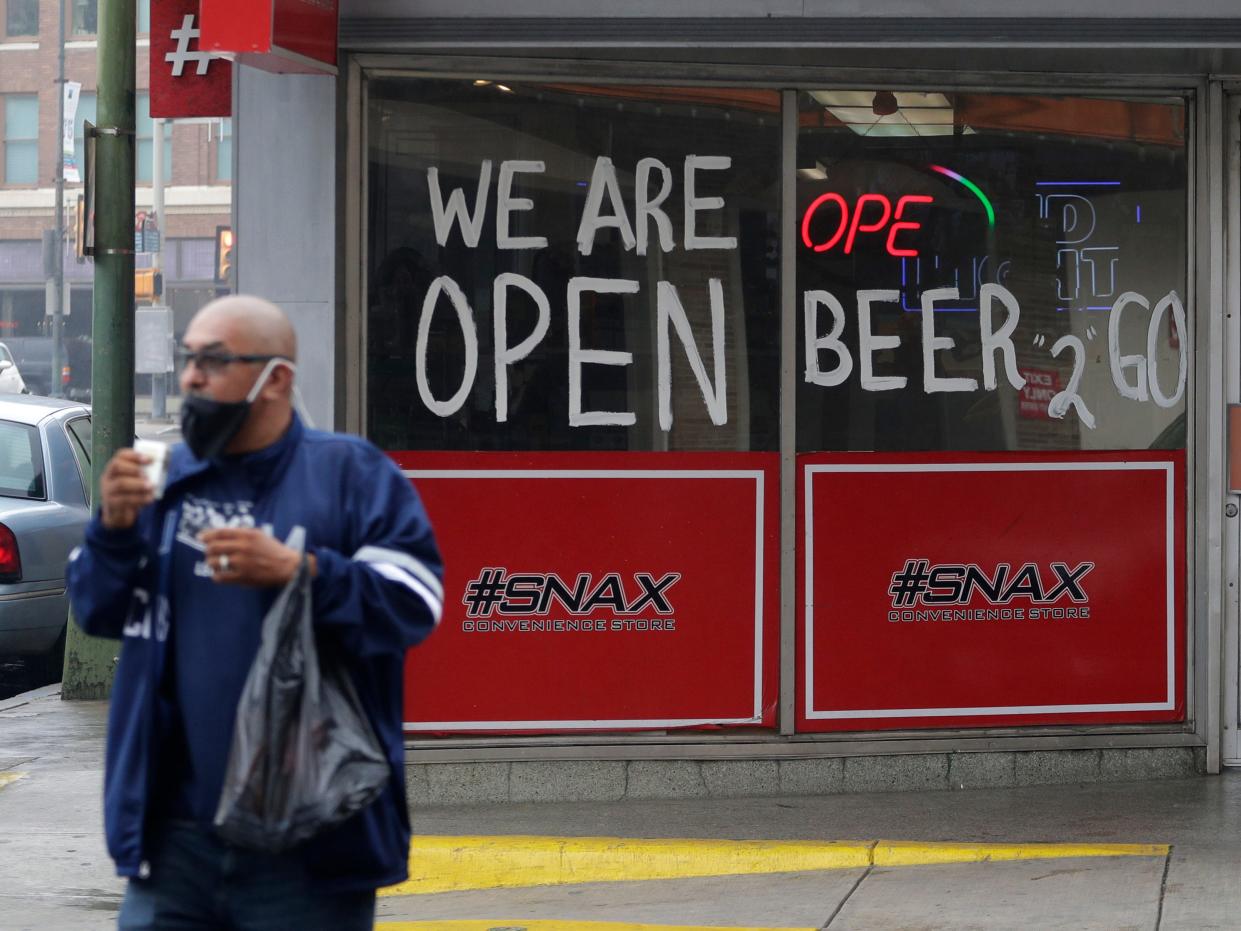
(213, 361)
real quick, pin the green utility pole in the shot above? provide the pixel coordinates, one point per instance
(89, 661)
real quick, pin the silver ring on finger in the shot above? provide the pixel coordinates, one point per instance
(223, 563)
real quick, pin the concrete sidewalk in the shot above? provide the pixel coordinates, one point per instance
(55, 874)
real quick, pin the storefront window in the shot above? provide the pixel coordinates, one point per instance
(562, 267)
(990, 272)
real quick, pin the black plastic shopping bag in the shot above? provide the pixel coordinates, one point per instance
(304, 756)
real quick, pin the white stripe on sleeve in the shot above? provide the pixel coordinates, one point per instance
(397, 574)
(378, 554)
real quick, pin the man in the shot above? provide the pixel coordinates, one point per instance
(185, 580)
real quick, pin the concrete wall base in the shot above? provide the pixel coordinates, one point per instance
(613, 780)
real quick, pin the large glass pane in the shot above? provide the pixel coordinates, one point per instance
(963, 264)
(632, 233)
(21, 139)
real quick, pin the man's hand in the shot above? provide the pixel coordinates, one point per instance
(124, 490)
(245, 556)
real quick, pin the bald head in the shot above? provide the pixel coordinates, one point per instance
(249, 325)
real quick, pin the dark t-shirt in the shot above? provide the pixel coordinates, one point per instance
(215, 630)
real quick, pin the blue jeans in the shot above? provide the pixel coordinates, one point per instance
(199, 882)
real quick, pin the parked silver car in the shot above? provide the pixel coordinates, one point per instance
(44, 484)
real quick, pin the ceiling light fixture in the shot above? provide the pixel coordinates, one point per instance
(867, 113)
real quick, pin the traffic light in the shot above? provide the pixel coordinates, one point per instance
(148, 284)
(224, 243)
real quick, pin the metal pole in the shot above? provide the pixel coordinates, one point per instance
(159, 382)
(89, 662)
(58, 308)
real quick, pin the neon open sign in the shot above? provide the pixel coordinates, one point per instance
(853, 221)
(872, 214)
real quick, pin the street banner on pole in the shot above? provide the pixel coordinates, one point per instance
(73, 92)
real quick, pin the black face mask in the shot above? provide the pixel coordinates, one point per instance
(208, 426)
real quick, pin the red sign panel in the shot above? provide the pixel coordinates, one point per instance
(972, 590)
(599, 591)
(281, 35)
(186, 80)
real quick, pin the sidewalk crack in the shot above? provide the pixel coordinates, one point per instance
(841, 904)
(1163, 886)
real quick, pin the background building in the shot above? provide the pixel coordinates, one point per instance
(197, 160)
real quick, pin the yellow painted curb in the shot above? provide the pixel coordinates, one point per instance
(913, 853)
(538, 924)
(10, 778)
(446, 864)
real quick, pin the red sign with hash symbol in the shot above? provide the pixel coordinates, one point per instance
(185, 81)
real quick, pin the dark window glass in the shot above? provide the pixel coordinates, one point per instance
(1067, 204)
(80, 436)
(67, 485)
(679, 348)
(21, 18)
(21, 461)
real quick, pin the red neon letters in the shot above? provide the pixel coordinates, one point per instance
(853, 222)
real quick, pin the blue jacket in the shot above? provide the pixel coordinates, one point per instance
(378, 592)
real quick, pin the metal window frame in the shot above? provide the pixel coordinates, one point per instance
(1228, 728)
(1204, 102)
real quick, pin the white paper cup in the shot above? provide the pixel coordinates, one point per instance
(157, 469)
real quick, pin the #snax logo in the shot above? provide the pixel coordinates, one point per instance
(523, 593)
(923, 583)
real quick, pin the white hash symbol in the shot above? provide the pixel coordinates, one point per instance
(183, 53)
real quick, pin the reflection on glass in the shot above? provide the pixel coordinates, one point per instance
(631, 234)
(1045, 210)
